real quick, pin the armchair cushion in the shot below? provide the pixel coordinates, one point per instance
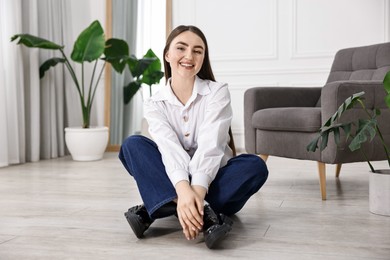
(294, 119)
(258, 98)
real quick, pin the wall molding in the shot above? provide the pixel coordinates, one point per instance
(270, 55)
(297, 54)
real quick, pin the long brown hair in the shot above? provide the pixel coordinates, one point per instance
(205, 71)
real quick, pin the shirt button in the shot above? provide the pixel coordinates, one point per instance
(187, 134)
(185, 118)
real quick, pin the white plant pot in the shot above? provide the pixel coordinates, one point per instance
(380, 192)
(86, 144)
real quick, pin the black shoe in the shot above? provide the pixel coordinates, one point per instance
(138, 219)
(225, 219)
(215, 228)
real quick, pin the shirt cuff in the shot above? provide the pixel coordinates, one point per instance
(201, 179)
(178, 175)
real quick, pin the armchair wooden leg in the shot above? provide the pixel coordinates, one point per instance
(264, 157)
(338, 169)
(322, 175)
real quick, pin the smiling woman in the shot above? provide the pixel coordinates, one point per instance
(143, 24)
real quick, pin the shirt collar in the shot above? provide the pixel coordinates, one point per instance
(201, 87)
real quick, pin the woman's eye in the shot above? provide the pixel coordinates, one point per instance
(180, 48)
(198, 52)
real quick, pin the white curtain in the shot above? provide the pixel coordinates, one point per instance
(142, 25)
(125, 120)
(34, 112)
(19, 85)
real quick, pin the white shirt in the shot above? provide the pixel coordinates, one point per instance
(192, 138)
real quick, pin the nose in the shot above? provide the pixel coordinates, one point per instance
(188, 54)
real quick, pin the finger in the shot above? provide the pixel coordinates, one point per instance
(182, 223)
(191, 221)
(192, 233)
(197, 219)
(185, 228)
(200, 205)
(189, 229)
(186, 233)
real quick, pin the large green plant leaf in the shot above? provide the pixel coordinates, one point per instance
(366, 131)
(117, 53)
(153, 73)
(35, 42)
(49, 63)
(138, 67)
(130, 90)
(90, 44)
(313, 145)
(346, 105)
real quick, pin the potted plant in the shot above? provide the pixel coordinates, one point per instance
(361, 131)
(85, 142)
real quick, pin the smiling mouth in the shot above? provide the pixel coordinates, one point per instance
(187, 65)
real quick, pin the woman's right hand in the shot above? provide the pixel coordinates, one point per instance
(189, 210)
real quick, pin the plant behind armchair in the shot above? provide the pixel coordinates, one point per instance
(365, 129)
(89, 46)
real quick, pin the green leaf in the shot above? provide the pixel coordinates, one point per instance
(152, 73)
(49, 63)
(324, 140)
(387, 100)
(336, 133)
(366, 128)
(386, 82)
(152, 77)
(347, 129)
(132, 62)
(138, 67)
(35, 42)
(346, 105)
(386, 85)
(313, 145)
(117, 53)
(90, 44)
(130, 90)
(377, 112)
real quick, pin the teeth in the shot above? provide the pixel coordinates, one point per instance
(186, 65)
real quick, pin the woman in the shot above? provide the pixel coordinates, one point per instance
(188, 170)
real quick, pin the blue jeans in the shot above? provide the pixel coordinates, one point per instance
(233, 185)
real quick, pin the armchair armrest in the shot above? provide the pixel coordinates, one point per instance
(334, 94)
(269, 97)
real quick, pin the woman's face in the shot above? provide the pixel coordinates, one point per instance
(186, 54)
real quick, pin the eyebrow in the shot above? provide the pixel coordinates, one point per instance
(185, 44)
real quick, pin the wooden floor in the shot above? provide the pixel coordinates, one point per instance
(61, 209)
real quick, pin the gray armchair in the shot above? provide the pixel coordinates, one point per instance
(281, 121)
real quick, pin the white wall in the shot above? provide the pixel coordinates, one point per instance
(280, 43)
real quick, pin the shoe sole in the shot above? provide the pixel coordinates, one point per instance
(135, 225)
(213, 240)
